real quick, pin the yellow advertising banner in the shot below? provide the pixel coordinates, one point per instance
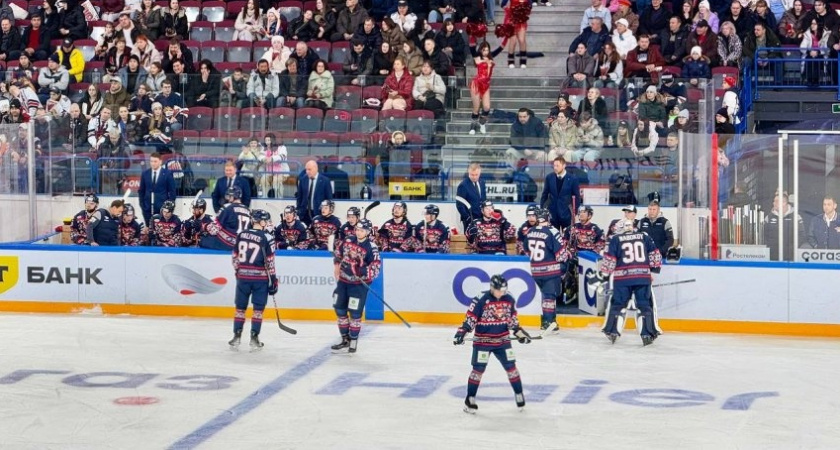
(407, 188)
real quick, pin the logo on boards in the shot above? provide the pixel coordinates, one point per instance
(9, 272)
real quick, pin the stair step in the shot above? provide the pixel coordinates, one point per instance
(512, 104)
(502, 92)
(463, 115)
(568, 18)
(464, 128)
(478, 140)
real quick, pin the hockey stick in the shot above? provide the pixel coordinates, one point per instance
(126, 195)
(673, 283)
(370, 291)
(369, 207)
(280, 324)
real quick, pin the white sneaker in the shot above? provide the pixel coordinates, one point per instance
(523, 66)
(482, 128)
(472, 132)
(547, 4)
(511, 66)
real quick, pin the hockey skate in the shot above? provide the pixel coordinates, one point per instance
(256, 345)
(237, 339)
(345, 342)
(520, 401)
(612, 337)
(470, 407)
(353, 344)
(647, 340)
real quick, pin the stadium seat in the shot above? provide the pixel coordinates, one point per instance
(323, 144)
(308, 119)
(289, 13)
(236, 140)
(337, 121)
(93, 71)
(227, 119)
(77, 91)
(97, 29)
(422, 123)
(392, 120)
(694, 95)
(213, 50)
(239, 51)
(364, 120)
(348, 97)
(310, 6)
(233, 9)
(200, 118)
(201, 31)
(193, 9)
(87, 47)
(351, 144)
(337, 70)
(211, 143)
(726, 71)
(291, 3)
(338, 51)
(673, 70)
(189, 141)
(227, 68)
(260, 47)
(213, 11)
(291, 43)
(281, 119)
(253, 119)
(223, 31)
(195, 47)
(322, 48)
(297, 143)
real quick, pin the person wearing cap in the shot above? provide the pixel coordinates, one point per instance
(116, 95)
(704, 12)
(730, 98)
(277, 54)
(652, 20)
(72, 59)
(9, 40)
(657, 227)
(58, 104)
(35, 41)
(72, 22)
(696, 66)
(729, 46)
(55, 76)
(673, 41)
(623, 38)
(651, 107)
(597, 9)
(623, 11)
(644, 61)
(404, 19)
(133, 75)
(680, 122)
(630, 213)
(704, 38)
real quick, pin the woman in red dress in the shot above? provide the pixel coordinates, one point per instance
(513, 30)
(480, 88)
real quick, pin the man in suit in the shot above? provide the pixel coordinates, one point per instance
(474, 191)
(229, 180)
(312, 189)
(157, 185)
(562, 192)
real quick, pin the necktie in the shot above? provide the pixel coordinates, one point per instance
(230, 183)
(154, 178)
(311, 193)
(477, 188)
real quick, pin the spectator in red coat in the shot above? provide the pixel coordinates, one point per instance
(396, 92)
(644, 61)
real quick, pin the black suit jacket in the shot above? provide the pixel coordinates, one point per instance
(561, 196)
(163, 190)
(467, 191)
(323, 191)
(221, 187)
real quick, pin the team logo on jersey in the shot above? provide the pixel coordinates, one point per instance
(8, 272)
(188, 282)
(526, 297)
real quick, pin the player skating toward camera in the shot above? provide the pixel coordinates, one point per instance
(356, 265)
(630, 258)
(545, 249)
(256, 279)
(492, 317)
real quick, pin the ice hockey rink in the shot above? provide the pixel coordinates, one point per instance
(89, 381)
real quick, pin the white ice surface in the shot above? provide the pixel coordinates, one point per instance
(44, 412)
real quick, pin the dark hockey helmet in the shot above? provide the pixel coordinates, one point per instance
(586, 209)
(498, 282)
(365, 225)
(258, 215)
(543, 215)
(432, 209)
(532, 209)
(200, 204)
(401, 204)
(353, 211)
(487, 203)
(290, 210)
(168, 206)
(234, 192)
(128, 210)
(328, 203)
(91, 198)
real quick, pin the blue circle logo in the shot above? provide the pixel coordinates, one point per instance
(524, 299)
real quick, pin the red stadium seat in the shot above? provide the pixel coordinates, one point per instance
(214, 11)
(200, 118)
(87, 47)
(351, 145)
(227, 118)
(281, 119)
(339, 50)
(322, 48)
(323, 144)
(297, 143)
(364, 120)
(189, 140)
(214, 50)
(239, 51)
(233, 9)
(212, 143)
(224, 30)
(308, 119)
(201, 31)
(193, 9)
(392, 120)
(348, 97)
(337, 121)
(253, 119)
(422, 123)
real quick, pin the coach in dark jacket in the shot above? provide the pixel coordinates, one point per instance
(157, 185)
(473, 190)
(561, 194)
(312, 189)
(229, 180)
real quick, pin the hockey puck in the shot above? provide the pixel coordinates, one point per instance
(136, 401)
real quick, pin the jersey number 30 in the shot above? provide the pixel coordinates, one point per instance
(634, 252)
(244, 248)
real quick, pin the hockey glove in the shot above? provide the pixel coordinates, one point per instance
(522, 336)
(459, 337)
(655, 269)
(273, 286)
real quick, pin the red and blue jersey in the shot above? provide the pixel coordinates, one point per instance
(546, 251)
(290, 235)
(232, 220)
(358, 261)
(629, 258)
(520, 237)
(321, 229)
(253, 256)
(491, 320)
(582, 236)
(393, 235)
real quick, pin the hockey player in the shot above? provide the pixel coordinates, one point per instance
(290, 234)
(233, 219)
(78, 227)
(490, 232)
(396, 231)
(132, 233)
(581, 235)
(356, 261)
(630, 212)
(195, 227)
(430, 235)
(349, 227)
(323, 226)
(492, 317)
(544, 247)
(630, 258)
(103, 225)
(530, 222)
(165, 230)
(256, 279)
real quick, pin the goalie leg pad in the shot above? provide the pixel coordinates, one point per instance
(648, 325)
(616, 308)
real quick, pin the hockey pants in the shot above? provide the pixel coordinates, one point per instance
(480, 358)
(349, 300)
(257, 292)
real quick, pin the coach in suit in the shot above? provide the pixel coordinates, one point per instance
(230, 179)
(312, 189)
(561, 194)
(157, 185)
(474, 191)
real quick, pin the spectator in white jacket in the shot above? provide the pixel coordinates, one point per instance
(277, 55)
(428, 82)
(56, 75)
(405, 20)
(623, 38)
(645, 138)
(263, 86)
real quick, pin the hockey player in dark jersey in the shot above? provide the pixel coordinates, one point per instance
(290, 234)
(530, 222)
(581, 235)
(430, 235)
(256, 279)
(630, 212)
(103, 227)
(233, 219)
(196, 226)
(492, 318)
(79, 224)
(323, 226)
(165, 229)
(349, 227)
(396, 231)
(544, 247)
(132, 232)
(356, 260)
(490, 232)
(630, 258)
